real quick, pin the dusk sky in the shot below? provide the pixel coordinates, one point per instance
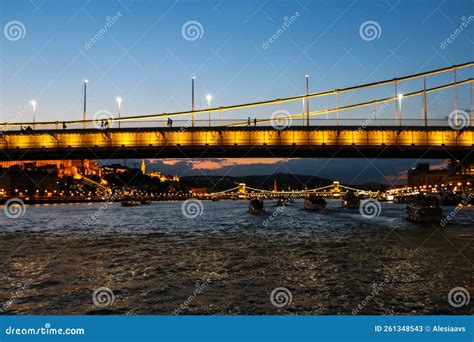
(146, 58)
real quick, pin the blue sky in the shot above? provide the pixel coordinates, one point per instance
(144, 57)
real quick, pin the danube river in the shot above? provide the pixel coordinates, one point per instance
(152, 259)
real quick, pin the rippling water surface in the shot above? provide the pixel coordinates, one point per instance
(226, 261)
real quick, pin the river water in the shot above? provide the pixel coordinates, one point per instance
(152, 259)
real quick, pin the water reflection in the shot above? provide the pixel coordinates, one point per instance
(154, 259)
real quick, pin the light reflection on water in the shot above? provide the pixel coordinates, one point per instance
(153, 258)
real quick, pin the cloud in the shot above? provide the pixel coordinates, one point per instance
(220, 163)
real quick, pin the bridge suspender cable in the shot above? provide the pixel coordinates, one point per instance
(364, 104)
(288, 99)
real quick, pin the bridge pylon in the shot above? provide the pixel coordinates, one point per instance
(336, 190)
(242, 193)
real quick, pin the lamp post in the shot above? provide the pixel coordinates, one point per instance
(119, 103)
(400, 98)
(192, 99)
(85, 103)
(307, 100)
(33, 104)
(209, 98)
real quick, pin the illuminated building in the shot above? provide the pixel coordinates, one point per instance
(162, 177)
(422, 174)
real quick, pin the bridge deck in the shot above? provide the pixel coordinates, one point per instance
(161, 142)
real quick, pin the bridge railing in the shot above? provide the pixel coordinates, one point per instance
(315, 122)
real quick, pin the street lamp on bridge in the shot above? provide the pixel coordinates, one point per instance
(400, 98)
(307, 100)
(209, 98)
(33, 104)
(85, 102)
(119, 103)
(192, 99)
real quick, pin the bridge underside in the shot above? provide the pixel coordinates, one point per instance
(296, 142)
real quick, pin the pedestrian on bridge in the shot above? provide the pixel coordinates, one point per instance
(255, 122)
(248, 122)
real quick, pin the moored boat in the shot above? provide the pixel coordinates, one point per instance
(424, 210)
(256, 206)
(314, 203)
(130, 203)
(351, 201)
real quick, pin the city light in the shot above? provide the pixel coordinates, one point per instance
(33, 104)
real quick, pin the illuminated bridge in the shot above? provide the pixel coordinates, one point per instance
(330, 132)
(335, 190)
